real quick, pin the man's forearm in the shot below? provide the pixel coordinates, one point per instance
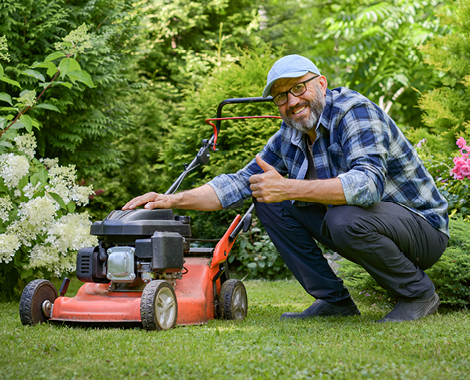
(201, 198)
(326, 191)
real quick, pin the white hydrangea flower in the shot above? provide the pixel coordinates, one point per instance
(9, 244)
(13, 168)
(71, 232)
(62, 182)
(29, 189)
(80, 194)
(5, 207)
(50, 162)
(47, 256)
(38, 214)
(22, 231)
(43, 256)
(27, 144)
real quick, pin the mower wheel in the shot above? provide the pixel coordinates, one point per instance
(36, 302)
(233, 302)
(158, 306)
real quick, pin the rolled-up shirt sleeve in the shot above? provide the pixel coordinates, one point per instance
(365, 141)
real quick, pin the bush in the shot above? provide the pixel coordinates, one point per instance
(449, 171)
(90, 119)
(258, 256)
(447, 107)
(40, 231)
(451, 274)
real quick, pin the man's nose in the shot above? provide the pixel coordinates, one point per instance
(292, 100)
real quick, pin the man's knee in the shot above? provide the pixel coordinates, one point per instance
(345, 228)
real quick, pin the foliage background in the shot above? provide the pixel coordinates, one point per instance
(161, 67)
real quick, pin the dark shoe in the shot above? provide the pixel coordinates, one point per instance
(410, 310)
(322, 308)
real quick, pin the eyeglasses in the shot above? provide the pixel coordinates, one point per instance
(297, 90)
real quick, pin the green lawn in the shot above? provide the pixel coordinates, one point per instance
(260, 347)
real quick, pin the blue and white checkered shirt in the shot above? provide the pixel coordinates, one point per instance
(358, 143)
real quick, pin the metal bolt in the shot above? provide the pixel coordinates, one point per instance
(47, 308)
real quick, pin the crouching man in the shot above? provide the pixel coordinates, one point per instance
(339, 172)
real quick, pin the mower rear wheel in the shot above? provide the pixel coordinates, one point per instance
(36, 302)
(233, 300)
(158, 306)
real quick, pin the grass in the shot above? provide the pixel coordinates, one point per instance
(260, 347)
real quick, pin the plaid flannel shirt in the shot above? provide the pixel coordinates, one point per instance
(358, 143)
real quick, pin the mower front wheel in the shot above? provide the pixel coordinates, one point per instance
(233, 300)
(36, 302)
(158, 306)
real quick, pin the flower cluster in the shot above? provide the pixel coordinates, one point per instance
(12, 169)
(35, 217)
(461, 168)
(76, 42)
(27, 144)
(62, 182)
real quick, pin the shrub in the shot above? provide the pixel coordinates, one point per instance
(447, 107)
(39, 229)
(451, 274)
(450, 172)
(90, 118)
(258, 256)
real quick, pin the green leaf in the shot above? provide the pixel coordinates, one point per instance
(40, 176)
(1, 71)
(67, 65)
(3, 187)
(17, 125)
(59, 200)
(44, 65)
(65, 84)
(5, 144)
(9, 109)
(36, 123)
(81, 76)
(71, 207)
(23, 182)
(35, 74)
(5, 97)
(47, 106)
(10, 81)
(27, 122)
(51, 71)
(26, 273)
(51, 57)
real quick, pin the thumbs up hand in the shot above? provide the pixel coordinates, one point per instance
(267, 187)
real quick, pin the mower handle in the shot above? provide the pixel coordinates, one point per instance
(237, 101)
(203, 156)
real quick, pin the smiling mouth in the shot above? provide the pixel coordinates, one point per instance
(299, 110)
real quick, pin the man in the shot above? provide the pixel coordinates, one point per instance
(354, 183)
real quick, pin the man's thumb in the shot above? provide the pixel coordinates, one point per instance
(263, 164)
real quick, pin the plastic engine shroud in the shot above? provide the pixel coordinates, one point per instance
(139, 223)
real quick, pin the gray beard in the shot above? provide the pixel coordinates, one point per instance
(317, 106)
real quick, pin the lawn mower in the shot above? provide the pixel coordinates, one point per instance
(144, 270)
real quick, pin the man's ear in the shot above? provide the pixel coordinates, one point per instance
(323, 83)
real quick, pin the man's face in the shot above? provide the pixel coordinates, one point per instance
(304, 111)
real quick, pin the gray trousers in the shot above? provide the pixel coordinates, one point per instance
(391, 243)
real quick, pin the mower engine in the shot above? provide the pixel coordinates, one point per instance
(138, 244)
